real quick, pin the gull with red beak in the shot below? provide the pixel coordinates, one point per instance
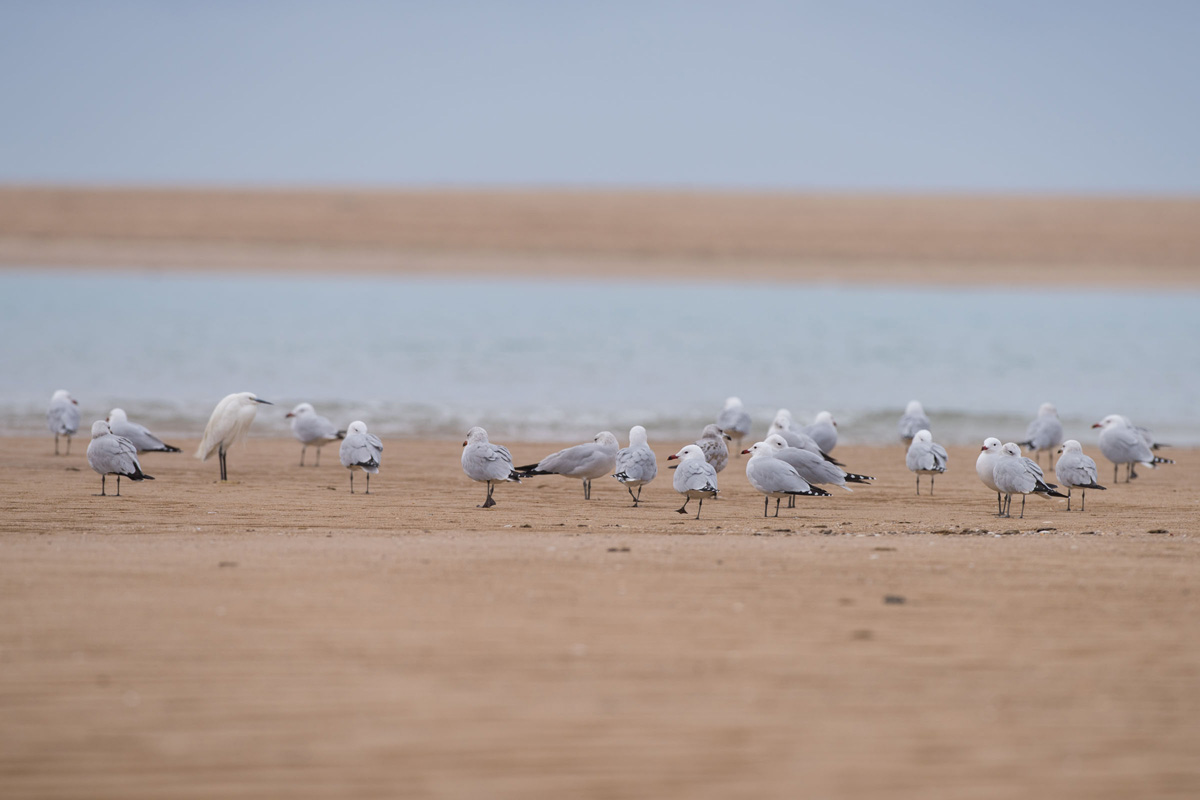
(694, 478)
(1122, 443)
(311, 429)
(776, 478)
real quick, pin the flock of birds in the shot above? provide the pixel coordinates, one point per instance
(792, 460)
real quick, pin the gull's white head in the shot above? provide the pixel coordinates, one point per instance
(990, 444)
(1011, 449)
(761, 449)
(733, 402)
(300, 410)
(1047, 409)
(358, 426)
(774, 441)
(1071, 446)
(607, 439)
(637, 436)
(913, 407)
(922, 436)
(825, 416)
(711, 431)
(476, 435)
(117, 415)
(63, 394)
(687, 452)
(100, 428)
(1111, 421)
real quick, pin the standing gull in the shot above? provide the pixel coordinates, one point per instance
(142, 438)
(925, 457)
(712, 444)
(811, 467)
(1013, 475)
(62, 417)
(985, 468)
(734, 421)
(775, 478)
(636, 464)
(694, 478)
(110, 454)
(1045, 432)
(823, 431)
(1122, 443)
(913, 420)
(1076, 471)
(783, 426)
(584, 461)
(487, 463)
(361, 450)
(311, 429)
(228, 425)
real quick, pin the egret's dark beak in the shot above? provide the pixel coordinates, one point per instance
(264, 402)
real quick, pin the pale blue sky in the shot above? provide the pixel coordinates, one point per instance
(897, 96)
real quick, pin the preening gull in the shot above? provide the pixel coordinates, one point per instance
(925, 457)
(1013, 475)
(62, 417)
(312, 430)
(734, 421)
(487, 463)
(775, 478)
(694, 478)
(636, 464)
(584, 461)
(110, 454)
(228, 425)
(142, 438)
(1122, 443)
(361, 450)
(1076, 471)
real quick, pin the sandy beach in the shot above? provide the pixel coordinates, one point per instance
(278, 636)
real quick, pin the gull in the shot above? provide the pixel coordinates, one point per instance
(775, 478)
(694, 477)
(1013, 475)
(487, 463)
(310, 428)
(712, 444)
(110, 454)
(584, 461)
(228, 425)
(636, 465)
(734, 421)
(925, 457)
(783, 426)
(823, 431)
(811, 467)
(985, 468)
(63, 417)
(1045, 432)
(142, 439)
(1122, 443)
(361, 450)
(913, 420)
(1076, 471)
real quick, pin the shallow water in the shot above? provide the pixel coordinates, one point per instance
(561, 360)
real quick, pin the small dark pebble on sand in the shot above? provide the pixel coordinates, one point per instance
(1158, 530)
(894, 599)
(618, 549)
(227, 564)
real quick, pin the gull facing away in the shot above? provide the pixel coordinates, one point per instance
(636, 464)
(734, 421)
(985, 468)
(775, 478)
(142, 438)
(823, 431)
(1045, 432)
(1076, 471)
(584, 461)
(361, 450)
(1122, 443)
(62, 417)
(1013, 475)
(815, 470)
(783, 426)
(925, 457)
(712, 444)
(228, 425)
(694, 478)
(311, 429)
(487, 463)
(913, 420)
(110, 454)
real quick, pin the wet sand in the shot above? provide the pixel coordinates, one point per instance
(280, 637)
